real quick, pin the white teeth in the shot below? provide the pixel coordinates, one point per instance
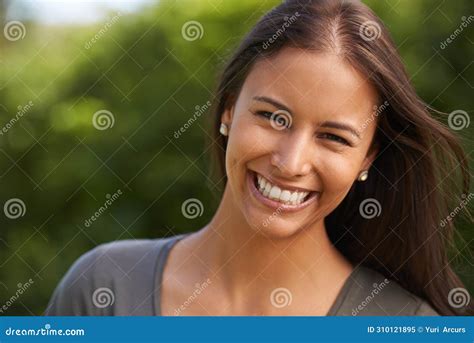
(261, 184)
(267, 189)
(276, 193)
(285, 195)
(294, 197)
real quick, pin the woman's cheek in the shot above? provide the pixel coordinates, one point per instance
(251, 138)
(243, 142)
(337, 174)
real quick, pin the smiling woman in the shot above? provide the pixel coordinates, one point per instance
(336, 179)
(310, 152)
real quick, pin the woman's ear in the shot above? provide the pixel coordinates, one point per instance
(227, 116)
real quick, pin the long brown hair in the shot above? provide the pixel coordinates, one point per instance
(420, 171)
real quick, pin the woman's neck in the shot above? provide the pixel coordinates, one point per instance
(248, 265)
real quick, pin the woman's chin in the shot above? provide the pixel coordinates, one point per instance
(277, 229)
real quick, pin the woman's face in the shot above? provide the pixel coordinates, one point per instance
(299, 135)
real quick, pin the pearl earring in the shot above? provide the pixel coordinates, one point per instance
(363, 175)
(224, 130)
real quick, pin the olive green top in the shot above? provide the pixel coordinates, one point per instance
(124, 278)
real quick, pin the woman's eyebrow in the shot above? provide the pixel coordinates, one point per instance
(272, 102)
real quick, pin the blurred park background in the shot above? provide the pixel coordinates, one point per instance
(92, 98)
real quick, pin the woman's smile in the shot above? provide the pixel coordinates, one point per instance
(283, 198)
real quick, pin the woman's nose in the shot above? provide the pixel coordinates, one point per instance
(292, 156)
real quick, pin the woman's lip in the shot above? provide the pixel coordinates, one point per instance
(275, 204)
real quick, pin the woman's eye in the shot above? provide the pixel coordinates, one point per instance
(281, 120)
(265, 114)
(334, 138)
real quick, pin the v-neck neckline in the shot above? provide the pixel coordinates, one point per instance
(170, 243)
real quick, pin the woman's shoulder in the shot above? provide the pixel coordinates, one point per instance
(369, 293)
(116, 278)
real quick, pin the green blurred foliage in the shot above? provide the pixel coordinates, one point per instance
(151, 80)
